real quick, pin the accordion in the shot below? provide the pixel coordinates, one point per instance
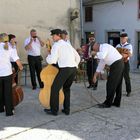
(125, 53)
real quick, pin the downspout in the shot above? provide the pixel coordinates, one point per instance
(81, 21)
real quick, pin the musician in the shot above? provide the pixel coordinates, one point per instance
(125, 44)
(12, 45)
(91, 63)
(65, 36)
(33, 46)
(6, 54)
(110, 56)
(63, 54)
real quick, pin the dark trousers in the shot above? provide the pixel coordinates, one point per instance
(91, 69)
(15, 66)
(35, 67)
(114, 83)
(6, 94)
(64, 80)
(127, 77)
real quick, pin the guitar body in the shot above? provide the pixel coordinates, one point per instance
(47, 76)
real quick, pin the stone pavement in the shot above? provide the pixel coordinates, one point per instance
(86, 121)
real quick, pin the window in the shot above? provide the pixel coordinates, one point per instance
(88, 14)
(139, 9)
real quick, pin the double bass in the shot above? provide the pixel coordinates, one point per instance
(47, 76)
(17, 91)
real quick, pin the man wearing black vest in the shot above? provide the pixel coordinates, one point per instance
(125, 44)
(92, 63)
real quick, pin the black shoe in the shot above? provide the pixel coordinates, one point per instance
(1, 111)
(48, 111)
(128, 94)
(10, 114)
(41, 85)
(116, 105)
(103, 105)
(90, 86)
(33, 88)
(65, 112)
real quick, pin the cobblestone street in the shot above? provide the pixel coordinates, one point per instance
(86, 121)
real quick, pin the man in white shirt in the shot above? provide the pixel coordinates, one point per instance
(33, 46)
(108, 55)
(65, 36)
(125, 44)
(12, 45)
(67, 58)
(6, 54)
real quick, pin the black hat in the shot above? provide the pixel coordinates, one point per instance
(123, 35)
(56, 31)
(11, 36)
(91, 34)
(64, 32)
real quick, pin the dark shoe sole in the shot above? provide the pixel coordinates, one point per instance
(1, 111)
(115, 105)
(90, 87)
(103, 106)
(128, 94)
(65, 112)
(33, 88)
(48, 111)
(10, 114)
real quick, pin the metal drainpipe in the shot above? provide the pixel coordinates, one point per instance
(81, 20)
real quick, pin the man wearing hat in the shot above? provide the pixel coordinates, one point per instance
(12, 45)
(91, 62)
(128, 46)
(67, 59)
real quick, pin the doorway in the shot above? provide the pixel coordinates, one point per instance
(114, 38)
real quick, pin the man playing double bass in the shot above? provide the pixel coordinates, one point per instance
(67, 59)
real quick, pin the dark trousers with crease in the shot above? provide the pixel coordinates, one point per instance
(127, 77)
(91, 69)
(114, 83)
(6, 94)
(15, 66)
(35, 67)
(63, 79)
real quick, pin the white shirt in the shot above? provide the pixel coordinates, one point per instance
(127, 46)
(68, 41)
(5, 64)
(36, 47)
(107, 55)
(14, 51)
(63, 53)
